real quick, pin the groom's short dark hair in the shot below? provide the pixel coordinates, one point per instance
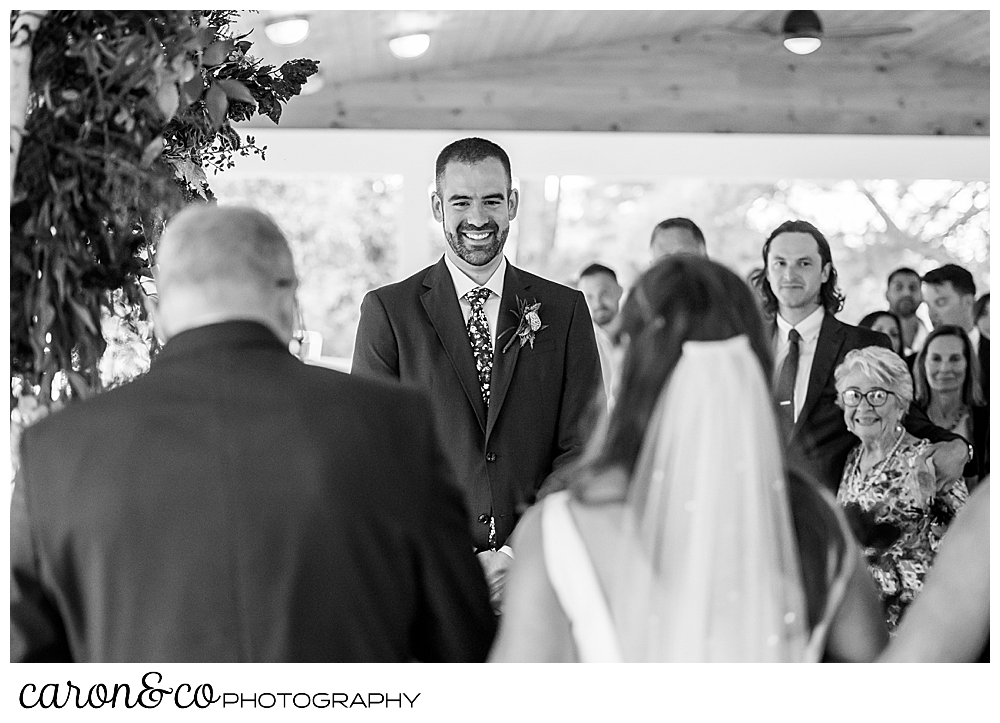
(470, 150)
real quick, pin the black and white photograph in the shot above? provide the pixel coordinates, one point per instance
(537, 334)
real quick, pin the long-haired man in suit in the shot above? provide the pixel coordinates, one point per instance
(508, 358)
(235, 504)
(799, 290)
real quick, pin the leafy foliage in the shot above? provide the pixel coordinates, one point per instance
(126, 109)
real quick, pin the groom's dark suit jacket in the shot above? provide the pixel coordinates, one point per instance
(235, 504)
(820, 441)
(413, 331)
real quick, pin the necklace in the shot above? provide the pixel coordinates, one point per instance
(856, 472)
(950, 421)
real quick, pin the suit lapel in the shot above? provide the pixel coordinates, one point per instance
(831, 337)
(504, 362)
(441, 305)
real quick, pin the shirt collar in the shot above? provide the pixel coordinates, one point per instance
(463, 284)
(974, 337)
(808, 328)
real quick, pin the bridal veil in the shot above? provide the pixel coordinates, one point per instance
(709, 569)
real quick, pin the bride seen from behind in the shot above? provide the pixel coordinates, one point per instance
(680, 537)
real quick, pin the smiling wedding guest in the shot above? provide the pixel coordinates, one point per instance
(799, 289)
(235, 504)
(945, 378)
(508, 358)
(900, 512)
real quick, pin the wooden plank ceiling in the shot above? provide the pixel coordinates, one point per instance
(641, 71)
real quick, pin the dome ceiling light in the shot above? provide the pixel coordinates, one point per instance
(802, 30)
(287, 30)
(410, 46)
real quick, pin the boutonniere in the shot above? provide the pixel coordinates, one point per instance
(529, 323)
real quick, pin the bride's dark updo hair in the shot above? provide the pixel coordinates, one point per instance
(678, 299)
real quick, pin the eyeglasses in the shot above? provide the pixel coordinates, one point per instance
(876, 397)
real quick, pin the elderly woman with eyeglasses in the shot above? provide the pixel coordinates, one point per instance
(888, 488)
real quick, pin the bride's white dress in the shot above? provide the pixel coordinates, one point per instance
(574, 579)
(578, 589)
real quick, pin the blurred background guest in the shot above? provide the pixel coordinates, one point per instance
(665, 549)
(602, 291)
(887, 323)
(949, 622)
(904, 297)
(677, 235)
(888, 487)
(945, 375)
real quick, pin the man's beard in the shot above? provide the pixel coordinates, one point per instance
(603, 317)
(906, 307)
(477, 256)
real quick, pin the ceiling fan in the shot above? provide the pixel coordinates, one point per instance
(802, 32)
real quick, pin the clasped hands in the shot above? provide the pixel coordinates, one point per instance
(495, 564)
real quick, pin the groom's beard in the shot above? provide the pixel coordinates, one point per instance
(477, 254)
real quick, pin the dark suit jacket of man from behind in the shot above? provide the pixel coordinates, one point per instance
(413, 331)
(235, 504)
(820, 440)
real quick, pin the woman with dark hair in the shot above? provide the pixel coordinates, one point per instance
(946, 381)
(681, 538)
(887, 323)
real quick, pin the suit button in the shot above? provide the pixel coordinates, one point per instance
(484, 518)
(490, 457)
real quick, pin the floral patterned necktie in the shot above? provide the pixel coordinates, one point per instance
(480, 338)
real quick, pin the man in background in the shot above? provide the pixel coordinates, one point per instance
(904, 297)
(677, 236)
(603, 293)
(234, 504)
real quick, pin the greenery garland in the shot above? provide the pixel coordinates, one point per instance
(126, 109)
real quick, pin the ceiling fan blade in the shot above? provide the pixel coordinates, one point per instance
(712, 29)
(870, 32)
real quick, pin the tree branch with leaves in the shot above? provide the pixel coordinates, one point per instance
(124, 111)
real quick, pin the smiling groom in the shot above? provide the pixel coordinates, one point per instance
(508, 359)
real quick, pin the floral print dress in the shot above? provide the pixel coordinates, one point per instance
(900, 519)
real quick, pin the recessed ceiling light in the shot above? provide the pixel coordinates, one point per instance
(410, 46)
(287, 31)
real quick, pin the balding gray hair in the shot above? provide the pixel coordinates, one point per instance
(881, 366)
(212, 245)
